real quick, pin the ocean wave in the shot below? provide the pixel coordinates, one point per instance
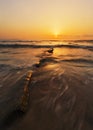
(45, 46)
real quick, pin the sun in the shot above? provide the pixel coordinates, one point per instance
(56, 34)
(55, 31)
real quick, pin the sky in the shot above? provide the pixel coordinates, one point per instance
(46, 19)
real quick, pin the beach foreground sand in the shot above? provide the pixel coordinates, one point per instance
(55, 101)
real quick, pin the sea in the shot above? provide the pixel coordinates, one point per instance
(72, 58)
(18, 57)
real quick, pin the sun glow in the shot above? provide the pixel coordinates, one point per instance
(56, 29)
(56, 33)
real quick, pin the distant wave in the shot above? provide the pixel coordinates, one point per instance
(45, 46)
(47, 40)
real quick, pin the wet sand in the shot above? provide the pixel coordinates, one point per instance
(55, 102)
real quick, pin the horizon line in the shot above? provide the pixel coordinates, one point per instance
(29, 40)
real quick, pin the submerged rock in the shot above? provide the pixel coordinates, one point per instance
(51, 50)
(24, 101)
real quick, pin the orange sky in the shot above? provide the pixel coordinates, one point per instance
(46, 19)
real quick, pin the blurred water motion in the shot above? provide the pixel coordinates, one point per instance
(61, 88)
